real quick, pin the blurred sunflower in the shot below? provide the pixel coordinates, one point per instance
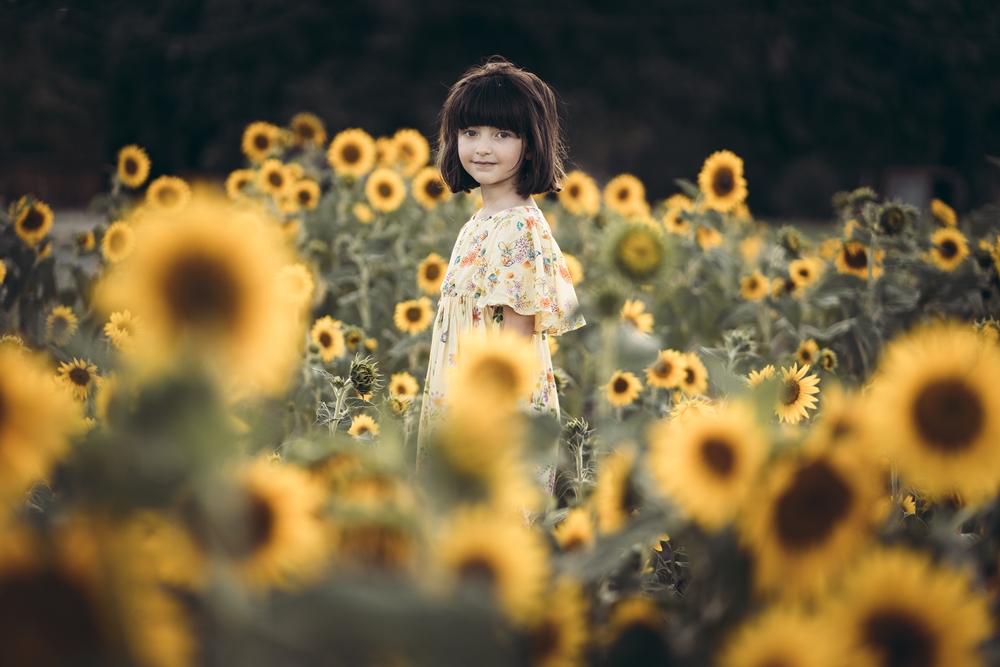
(637, 252)
(44, 250)
(807, 353)
(853, 259)
(353, 338)
(634, 313)
(755, 286)
(937, 394)
(783, 635)
(412, 150)
(616, 498)
(295, 283)
(352, 153)
(626, 195)
(259, 140)
(943, 214)
(122, 329)
(750, 248)
(273, 178)
(480, 547)
(810, 514)
(413, 316)
(708, 463)
(431, 272)
(574, 268)
(429, 188)
(32, 221)
(668, 370)
(326, 333)
(634, 634)
(828, 360)
(558, 636)
(133, 166)
(708, 237)
(579, 194)
(622, 389)
(721, 181)
(797, 394)
(385, 152)
(382, 543)
(897, 608)
(695, 380)
(85, 241)
(403, 385)
(893, 218)
(3, 272)
(362, 425)
(118, 242)
(385, 190)
(804, 271)
(576, 531)
(306, 193)
(493, 370)
(362, 212)
(237, 182)
(672, 220)
(60, 325)
(79, 377)
(168, 193)
(949, 248)
(307, 129)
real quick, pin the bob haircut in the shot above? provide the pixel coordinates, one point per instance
(500, 95)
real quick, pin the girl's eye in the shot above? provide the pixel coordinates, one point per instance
(503, 135)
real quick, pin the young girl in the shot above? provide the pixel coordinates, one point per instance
(500, 132)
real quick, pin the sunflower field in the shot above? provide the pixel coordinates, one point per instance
(777, 448)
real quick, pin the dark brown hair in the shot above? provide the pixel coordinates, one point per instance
(500, 95)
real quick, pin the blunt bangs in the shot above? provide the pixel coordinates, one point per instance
(495, 101)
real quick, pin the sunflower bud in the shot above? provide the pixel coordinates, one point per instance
(739, 343)
(364, 375)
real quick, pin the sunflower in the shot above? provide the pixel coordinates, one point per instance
(938, 416)
(353, 337)
(576, 531)
(828, 360)
(897, 608)
(797, 394)
(558, 637)
(811, 513)
(481, 547)
(431, 272)
(574, 268)
(949, 248)
(672, 220)
(32, 221)
(85, 241)
(273, 178)
(385, 190)
(118, 242)
(634, 312)
(755, 286)
(829, 248)
(79, 377)
(352, 153)
(362, 425)
(403, 385)
(296, 284)
(326, 333)
(634, 634)
(626, 195)
(783, 636)
(616, 497)
(362, 212)
(637, 252)
(168, 193)
(943, 214)
(804, 271)
(381, 543)
(385, 152)
(668, 370)
(60, 325)
(695, 380)
(686, 407)
(579, 194)
(750, 248)
(622, 389)
(237, 182)
(894, 218)
(413, 316)
(133, 166)
(305, 193)
(203, 284)
(44, 250)
(721, 181)
(412, 150)
(708, 238)
(708, 463)
(493, 370)
(807, 353)
(307, 129)
(122, 329)
(3, 272)
(853, 259)
(259, 140)
(429, 188)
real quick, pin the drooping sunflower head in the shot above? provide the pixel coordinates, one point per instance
(579, 194)
(118, 242)
(616, 498)
(327, 334)
(403, 385)
(622, 389)
(668, 370)
(307, 130)
(414, 315)
(949, 248)
(133, 166)
(60, 325)
(637, 252)
(495, 371)
(721, 181)
(755, 286)
(32, 221)
(695, 379)
(894, 218)
(259, 140)
(431, 272)
(797, 394)
(79, 377)
(626, 195)
(943, 214)
(168, 193)
(412, 150)
(385, 190)
(783, 635)
(429, 188)
(352, 153)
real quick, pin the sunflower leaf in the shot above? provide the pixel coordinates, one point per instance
(689, 188)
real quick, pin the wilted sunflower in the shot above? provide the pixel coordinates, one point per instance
(403, 385)
(943, 214)
(616, 497)
(558, 637)
(352, 153)
(949, 248)
(296, 284)
(853, 259)
(362, 425)
(897, 608)
(894, 218)
(495, 371)
(634, 312)
(133, 166)
(695, 380)
(804, 271)
(707, 463)
(306, 193)
(60, 325)
(672, 220)
(634, 634)
(326, 333)
(574, 268)
(273, 178)
(259, 139)
(122, 329)
(79, 377)
(937, 395)
(783, 635)
(118, 242)
(626, 195)
(413, 316)
(708, 237)
(429, 188)
(168, 193)
(721, 181)
(412, 150)
(385, 190)
(622, 389)
(638, 252)
(237, 182)
(755, 286)
(480, 547)
(811, 513)
(807, 353)
(668, 370)
(797, 394)
(307, 130)
(431, 272)
(579, 194)
(576, 531)
(32, 221)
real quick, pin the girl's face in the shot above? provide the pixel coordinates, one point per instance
(491, 156)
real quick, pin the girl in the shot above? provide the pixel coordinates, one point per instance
(500, 132)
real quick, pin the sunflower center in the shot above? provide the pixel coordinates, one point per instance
(414, 314)
(806, 356)
(662, 369)
(350, 154)
(242, 183)
(573, 191)
(353, 338)
(623, 194)
(894, 221)
(117, 242)
(723, 181)
(325, 339)
(168, 197)
(949, 415)
(639, 645)
(261, 520)
(201, 291)
(855, 255)
(948, 249)
(79, 376)
(498, 374)
(33, 221)
(752, 285)
(275, 179)
(689, 376)
(899, 639)
(718, 456)
(804, 272)
(815, 502)
(479, 570)
(130, 166)
(432, 272)
(261, 142)
(790, 392)
(304, 197)
(384, 190)
(574, 542)
(47, 620)
(639, 254)
(434, 189)
(544, 641)
(305, 131)
(60, 325)
(620, 386)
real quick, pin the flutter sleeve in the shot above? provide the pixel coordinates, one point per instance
(526, 270)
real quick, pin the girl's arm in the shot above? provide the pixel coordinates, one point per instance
(518, 323)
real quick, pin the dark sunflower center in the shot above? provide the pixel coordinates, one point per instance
(894, 221)
(623, 194)
(574, 542)
(260, 523)
(718, 456)
(414, 314)
(385, 190)
(949, 415)
(790, 392)
(202, 291)
(168, 197)
(639, 646)
(33, 221)
(276, 179)
(47, 620)
(806, 356)
(498, 374)
(242, 183)
(353, 338)
(690, 376)
(662, 369)
(261, 142)
(325, 339)
(629, 499)
(620, 386)
(723, 181)
(60, 325)
(350, 154)
(855, 256)
(79, 376)
(434, 189)
(573, 191)
(544, 641)
(810, 509)
(306, 132)
(804, 272)
(406, 150)
(899, 639)
(478, 570)
(304, 197)
(131, 166)
(432, 272)
(117, 242)
(752, 285)
(948, 249)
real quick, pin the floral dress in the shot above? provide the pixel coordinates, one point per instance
(506, 259)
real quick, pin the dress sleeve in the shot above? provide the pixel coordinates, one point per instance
(526, 270)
